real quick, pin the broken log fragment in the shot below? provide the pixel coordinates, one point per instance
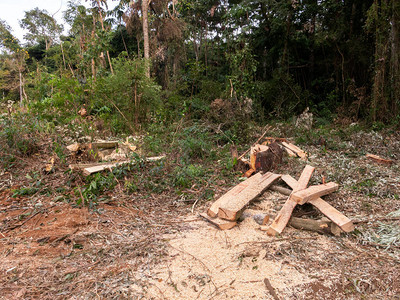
(213, 210)
(220, 224)
(314, 192)
(232, 210)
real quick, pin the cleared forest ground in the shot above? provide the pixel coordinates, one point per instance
(154, 246)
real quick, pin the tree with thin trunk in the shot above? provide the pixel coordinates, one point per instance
(146, 43)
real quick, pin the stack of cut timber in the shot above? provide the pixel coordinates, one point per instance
(300, 195)
(230, 206)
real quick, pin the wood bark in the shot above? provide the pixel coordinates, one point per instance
(146, 42)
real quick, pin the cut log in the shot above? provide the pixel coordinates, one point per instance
(280, 189)
(104, 145)
(300, 153)
(220, 224)
(232, 210)
(333, 214)
(285, 213)
(320, 226)
(314, 192)
(253, 153)
(213, 210)
(269, 159)
(379, 159)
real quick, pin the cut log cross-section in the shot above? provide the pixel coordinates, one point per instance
(233, 209)
(285, 213)
(324, 207)
(213, 210)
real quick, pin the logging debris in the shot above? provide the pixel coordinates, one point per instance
(108, 153)
(228, 210)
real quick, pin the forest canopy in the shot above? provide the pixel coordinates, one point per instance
(142, 62)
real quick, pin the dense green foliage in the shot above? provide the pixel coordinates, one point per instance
(264, 58)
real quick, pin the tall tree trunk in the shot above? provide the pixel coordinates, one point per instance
(20, 88)
(379, 103)
(102, 27)
(146, 42)
(395, 60)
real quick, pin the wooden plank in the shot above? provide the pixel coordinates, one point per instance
(213, 210)
(91, 170)
(233, 209)
(290, 181)
(220, 224)
(300, 153)
(333, 214)
(304, 178)
(83, 166)
(379, 159)
(95, 169)
(314, 192)
(283, 217)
